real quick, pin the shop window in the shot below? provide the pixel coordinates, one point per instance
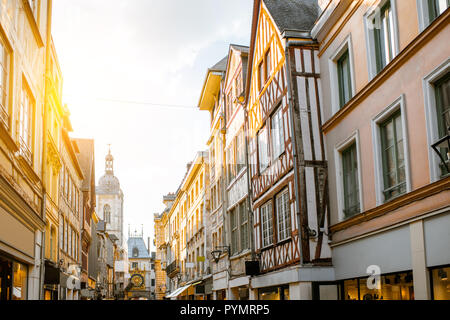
(441, 283)
(398, 286)
(19, 281)
(274, 293)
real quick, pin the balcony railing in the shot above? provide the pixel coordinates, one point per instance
(25, 150)
(172, 268)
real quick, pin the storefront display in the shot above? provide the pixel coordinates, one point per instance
(274, 293)
(440, 283)
(398, 286)
(13, 280)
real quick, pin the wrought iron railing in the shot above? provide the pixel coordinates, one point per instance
(172, 268)
(25, 150)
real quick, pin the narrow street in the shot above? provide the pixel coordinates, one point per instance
(243, 150)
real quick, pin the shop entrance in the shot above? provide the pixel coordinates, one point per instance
(6, 269)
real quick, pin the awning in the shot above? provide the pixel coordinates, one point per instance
(178, 291)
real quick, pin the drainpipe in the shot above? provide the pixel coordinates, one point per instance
(294, 147)
(44, 143)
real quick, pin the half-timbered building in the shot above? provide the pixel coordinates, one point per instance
(238, 229)
(286, 153)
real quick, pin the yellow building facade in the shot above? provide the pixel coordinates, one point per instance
(24, 43)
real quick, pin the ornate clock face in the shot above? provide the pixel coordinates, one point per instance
(137, 280)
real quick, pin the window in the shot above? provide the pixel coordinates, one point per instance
(350, 181)
(234, 231)
(393, 157)
(240, 146)
(277, 132)
(66, 238)
(61, 234)
(283, 215)
(267, 224)
(25, 125)
(135, 252)
(267, 69)
(263, 150)
(382, 36)
(436, 8)
(134, 265)
(229, 106)
(69, 240)
(243, 215)
(107, 213)
(441, 283)
(442, 94)
(231, 165)
(4, 76)
(261, 75)
(344, 79)
(264, 70)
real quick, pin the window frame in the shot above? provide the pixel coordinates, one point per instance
(339, 148)
(264, 129)
(345, 46)
(278, 113)
(27, 147)
(5, 95)
(285, 216)
(397, 105)
(424, 14)
(264, 209)
(370, 39)
(428, 83)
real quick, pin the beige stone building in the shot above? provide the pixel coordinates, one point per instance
(24, 47)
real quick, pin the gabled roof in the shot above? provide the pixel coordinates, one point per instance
(137, 245)
(293, 14)
(220, 66)
(211, 84)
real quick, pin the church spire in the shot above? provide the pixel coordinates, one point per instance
(109, 161)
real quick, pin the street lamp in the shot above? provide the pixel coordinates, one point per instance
(440, 146)
(218, 252)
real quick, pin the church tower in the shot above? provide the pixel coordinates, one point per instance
(110, 200)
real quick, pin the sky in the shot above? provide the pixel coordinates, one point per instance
(116, 55)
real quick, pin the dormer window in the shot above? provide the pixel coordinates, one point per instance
(135, 252)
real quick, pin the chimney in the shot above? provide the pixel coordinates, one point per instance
(149, 246)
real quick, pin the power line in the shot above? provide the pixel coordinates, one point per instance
(139, 102)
